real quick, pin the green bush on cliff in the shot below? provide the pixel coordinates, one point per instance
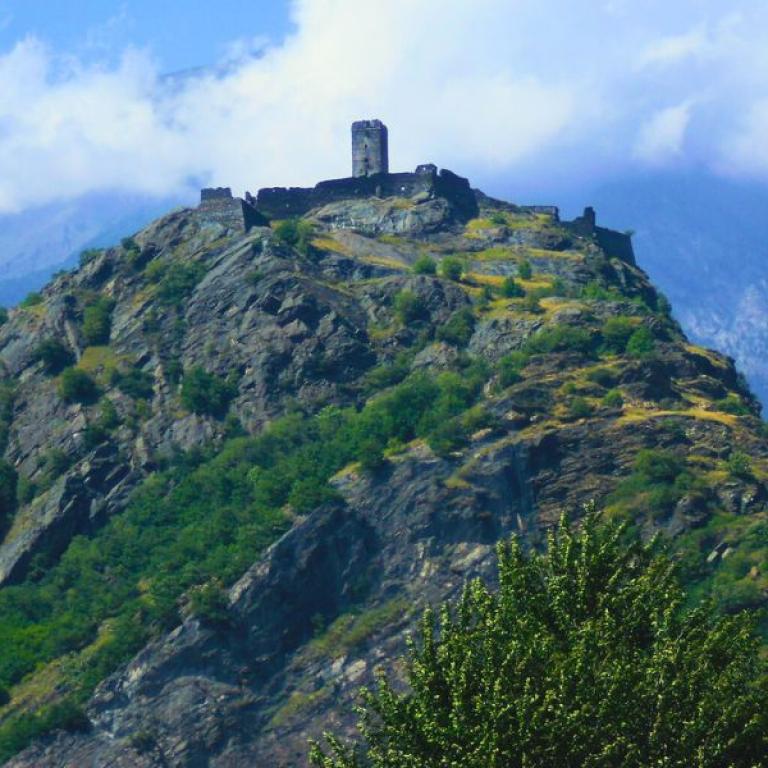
(525, 270)
(616, 333)
(408, 307)
(458, 329)
(31, 300)
(206, 393)
(425, 265)
(54, 356)
(97, 321)
(511, 289)
(3, 315)
(296, 233)
(660, 479)
(452, 268)
(583, 656)
(77, 386)
(8, 489)
(560, 338)
(641, 344)
(178, 281)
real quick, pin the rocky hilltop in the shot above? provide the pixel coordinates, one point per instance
(245, 453)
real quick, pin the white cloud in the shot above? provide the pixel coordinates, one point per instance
(662, 137)
(488, 87)
(676, 48)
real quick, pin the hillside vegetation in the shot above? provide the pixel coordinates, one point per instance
(236, 466)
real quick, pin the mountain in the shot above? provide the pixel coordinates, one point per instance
(703, 240)
(247, 453)
(38, 242)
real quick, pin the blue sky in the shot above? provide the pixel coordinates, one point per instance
(181, 33)
(519, 95)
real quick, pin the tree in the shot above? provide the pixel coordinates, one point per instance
(54, 356)
(296, 233)
(616, 333)
(206, 393)
(585, 656)
(97, 321)
(8, 489)
(76, 386)
(641, 344)
(451, 268)
(424, 265)
(511, 289)
(408, 307)
(524, 270)
(458, 329)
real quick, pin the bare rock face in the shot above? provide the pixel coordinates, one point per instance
(307, 325)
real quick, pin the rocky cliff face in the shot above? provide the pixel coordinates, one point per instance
(582, 375)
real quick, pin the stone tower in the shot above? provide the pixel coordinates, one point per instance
(370, 148)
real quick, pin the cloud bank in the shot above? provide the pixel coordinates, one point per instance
(487, 88)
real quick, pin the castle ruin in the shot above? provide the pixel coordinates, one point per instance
(370, 148)
(371, 178)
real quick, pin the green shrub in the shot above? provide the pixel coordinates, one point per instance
(31, 300)
(254, 277)
(510, 288)
(525, 270)
(616, 333)
(659, 466)
(566, 663)
(9, 480)
(613, 399)
(452, 268)
(54, 356)
(740, 465)
(459, 328)
(641, 344)
(559, 338)
(3, 315)
(509, 368)
(97, 321)
(129, 244)
(579, 408)
(732, 403)
(135, 383)
(596, 292)
(390, 373)
(604, 377)
(178, 282)
(425, 265)
(371, 454)
(209, 602)
(77, 386)
(530, 303)
(26, 490)
(88, 255)
(408, 307)
(206, 393)
(498, 219)
(296, 233)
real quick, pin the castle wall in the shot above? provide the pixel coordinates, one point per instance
(281, 202)
(219, 206)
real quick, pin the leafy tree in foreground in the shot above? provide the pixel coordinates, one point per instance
(585, 656)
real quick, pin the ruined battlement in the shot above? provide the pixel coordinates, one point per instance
(615, 244)
(217, 204)
(282, 202)
(210, 194)
(371, 178)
